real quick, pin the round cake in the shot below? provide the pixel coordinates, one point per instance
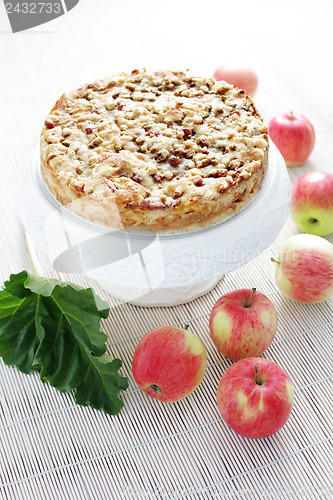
(162, 151)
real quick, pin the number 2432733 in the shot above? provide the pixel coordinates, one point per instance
(33, 8)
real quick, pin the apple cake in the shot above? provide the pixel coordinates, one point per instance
(162, 150)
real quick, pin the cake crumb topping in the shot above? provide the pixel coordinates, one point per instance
(159, 138)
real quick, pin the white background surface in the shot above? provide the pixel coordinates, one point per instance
(50, 448)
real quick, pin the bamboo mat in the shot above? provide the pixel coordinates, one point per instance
(50, 448)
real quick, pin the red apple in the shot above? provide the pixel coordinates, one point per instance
(169, 363)
(255, 397)
(312, 203)
(239, 75)
(294, 136)
(243, 324)
(304, 268)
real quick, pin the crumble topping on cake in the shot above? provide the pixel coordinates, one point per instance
(163, 150)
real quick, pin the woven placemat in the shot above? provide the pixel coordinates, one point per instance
(51, 448)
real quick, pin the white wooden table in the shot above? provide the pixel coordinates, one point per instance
(51, 448)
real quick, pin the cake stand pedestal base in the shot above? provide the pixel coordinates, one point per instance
(162, 297)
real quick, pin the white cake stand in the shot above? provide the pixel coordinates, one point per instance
(149, 269)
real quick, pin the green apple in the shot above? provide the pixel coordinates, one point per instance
(312, 203)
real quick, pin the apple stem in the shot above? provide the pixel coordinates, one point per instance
(276, 261)
(186, 326)
(291, 116)
(249, 302)
(256, 378)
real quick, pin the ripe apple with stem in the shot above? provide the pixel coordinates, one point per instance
(169, 363)
(294, 136)
(255, 397)
(243, 323)
(304, 268)
(312, 203)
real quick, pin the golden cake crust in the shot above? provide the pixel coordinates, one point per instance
(159, 150)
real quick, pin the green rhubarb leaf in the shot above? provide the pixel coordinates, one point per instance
(18, 338)
(78, 311)
(45, 286)
(96, 379)
(15, 285)
(54, 327)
